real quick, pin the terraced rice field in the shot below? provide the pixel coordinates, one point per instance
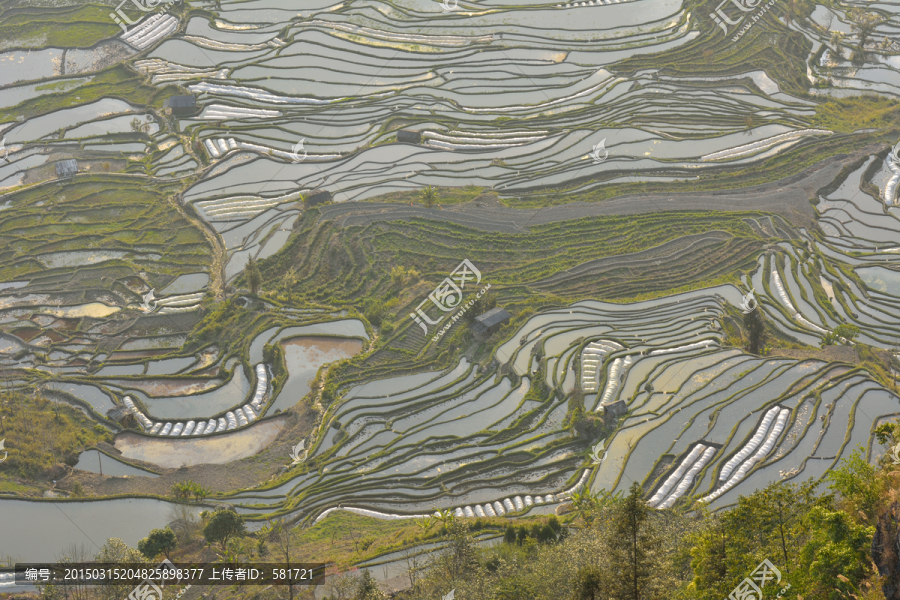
(621, 174)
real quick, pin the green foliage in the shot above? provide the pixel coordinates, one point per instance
(41, 434)
(254, 278)
(754, 322)
(367, 588)
(185, 489)
(858, 484)
(428, 195)
(634, 551)
(224, 524)
(835, 557)
(843, 333)
(160, 541)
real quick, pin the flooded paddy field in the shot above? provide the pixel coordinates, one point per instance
(621, 174)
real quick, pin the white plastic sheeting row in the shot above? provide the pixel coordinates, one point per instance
(218, 112)
(763, 144)
(488, 509)
(591, 358)
(688, 480)
(219, 147)
(767, 447)
(145, 34)
(893, 163)
(694, 346)
(617, 373)
(787, 302)
(752, 445)
(239, 417)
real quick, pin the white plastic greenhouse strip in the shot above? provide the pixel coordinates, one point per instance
(693, 346)
(890, 189)
(612, 382)
(761, 144)
(519, 504)
(752, 445)
(578, 485)
(528, 501)
(369, 513)
(232, 420)
(688, 480)
(760, 454)
(177, 429)
(188, 428)
(458, 513)
(166, 429)
(498, 508)
(787, 302)
(241, 418)
(211, 148)
(156, 428)
(200, 428)
(222, 424)
(676, 476)
(468, 512)
(549, 499)
(479, 512)
(211, 426)
(508, 505)
(538, 500)
(489, 510)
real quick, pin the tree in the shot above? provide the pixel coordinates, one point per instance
(223, 525)
(632, 550)
(588, 583)
(858, 484)
(756, 330)
(160, 541)
(835, 556)
(429, 195)
(279, 533)
(836, 39)
(842, 333)
(367, 588)
(510, 536)
(863, 24)
(254, 279)
(136, 125)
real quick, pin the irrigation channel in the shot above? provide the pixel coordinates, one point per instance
(512, 99)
